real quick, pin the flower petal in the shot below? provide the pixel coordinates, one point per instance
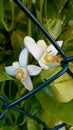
(25, 71)
(33, 70)
(42, 45)
(23, 57)
(32, 47)
(53, 50)
(60, 43)
(10, 70)
(43, 66)
(28, 83)
(54, 64)
(16, 64)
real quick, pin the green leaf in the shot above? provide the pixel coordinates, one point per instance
(63, 91)
(1, 9)
(50, 9)
(54, 26)
(63, 87)
(58, 111)
(31, 125)
(48, 119)
(4, 76)
(32, 108)
(46, 74)
(60, 4)
(68, 41)
(17, 42)
(71, 2)
(8, 128)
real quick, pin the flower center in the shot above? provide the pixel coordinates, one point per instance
(20, 75)
(49, 58)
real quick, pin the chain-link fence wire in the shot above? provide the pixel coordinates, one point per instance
(64, 63)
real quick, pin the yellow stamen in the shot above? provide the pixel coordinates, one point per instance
(51, 59)
(58, 59)
(48, 58)
(20, 75)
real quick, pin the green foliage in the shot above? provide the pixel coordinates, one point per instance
(4, 76)
(48, 104)
(57, 111)
(17, 42)
(1, 9)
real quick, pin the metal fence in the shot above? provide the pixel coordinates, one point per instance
(64, 64)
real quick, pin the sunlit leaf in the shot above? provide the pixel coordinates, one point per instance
(63, 87)
(46, 74)
(60, 111)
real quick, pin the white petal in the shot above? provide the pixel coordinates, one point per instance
(23, 57)
(28, 83)
(60, 43)
(43, 66)
(10, 70)
(42, 45)
(16, 64)
(33, 70)
(54, 64)
(32, 47)
(25, 71)
(53, 50)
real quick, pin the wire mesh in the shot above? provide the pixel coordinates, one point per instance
(6, 106)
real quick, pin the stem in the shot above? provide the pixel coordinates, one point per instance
(12, 11)
(12, 23)
(41, 9)
(5, 25)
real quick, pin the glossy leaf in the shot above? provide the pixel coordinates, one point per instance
(60, 111)
(61, 88)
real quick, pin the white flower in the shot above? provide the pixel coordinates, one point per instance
(22, 71)
(45, 55)
(33, 1)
